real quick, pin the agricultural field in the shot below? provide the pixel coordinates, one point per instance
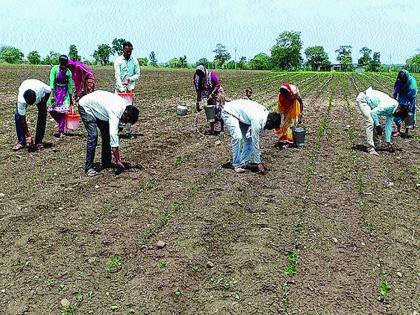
(328, 230)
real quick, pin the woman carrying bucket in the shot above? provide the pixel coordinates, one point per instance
(61, 84)
(83, 78)
(290, 104)
(207, 86)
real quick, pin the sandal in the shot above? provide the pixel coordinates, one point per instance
(18, 146)
(91, 172)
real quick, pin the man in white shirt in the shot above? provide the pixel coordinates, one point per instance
(104, 110)
(240, 116)
(31, 92)
(127, 70)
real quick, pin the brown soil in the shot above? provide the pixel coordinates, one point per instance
(227, 235)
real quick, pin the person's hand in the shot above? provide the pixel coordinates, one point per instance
(197, 107)
(378, 130)
(261, 168)
(120, 165)
(300, 119)
(29, 141)
(389, 147)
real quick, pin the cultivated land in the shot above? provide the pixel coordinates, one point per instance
(318, 234)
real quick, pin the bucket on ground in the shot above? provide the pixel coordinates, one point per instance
(181, 109)
(299, 136)
(127, 96)
(210, 111)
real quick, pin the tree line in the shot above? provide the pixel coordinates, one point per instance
(286, 54)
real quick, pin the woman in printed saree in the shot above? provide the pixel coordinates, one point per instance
(207, 86)
(61, 84)
(83, 78)
(290, 105)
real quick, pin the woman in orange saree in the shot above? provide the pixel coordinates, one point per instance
(291, 107)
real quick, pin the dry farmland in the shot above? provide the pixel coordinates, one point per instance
(328, 230)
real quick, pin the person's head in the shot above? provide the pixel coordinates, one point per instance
(200, 71)
(130, 115)
(284, 91)
(402, 76)
(29, 97)
(248, 92)
(273, 121)
(401, 112)
(63, 61)
(127, 49)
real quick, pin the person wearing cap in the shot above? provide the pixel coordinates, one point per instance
(240, 116)
(61, 83)
(127, 70)
(405, 92)
(31, 92)
(207, 86)
(374, 104)
(290, 105)
(104, 110)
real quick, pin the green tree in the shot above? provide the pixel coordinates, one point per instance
(375, 63)
(143, 61)
(261, 61)
(153, 60)
(230, 64)
(345, 58)
(34, 57)
(316, 58)
(182, 62)
(242, 64)
(73, 53)
(10, 54)
(117, 46)
(203, 61)
(222, 55)
(285, 54)
(51, 58)
(413, 61)
(173, 63)
(102, 54)
(365, 59)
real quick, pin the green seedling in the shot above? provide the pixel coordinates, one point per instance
(148, 232)
(162, 264)
(114, 264)
(384, 289)
(291, 269)
(164, 218)
(176, 205)
(68, 310)
(79, 297)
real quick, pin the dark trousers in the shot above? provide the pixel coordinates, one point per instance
(41, 122)
(92, 124)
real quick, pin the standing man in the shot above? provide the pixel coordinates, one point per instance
(104, 110)
(239, 116)
(31, 92)
(127, 70)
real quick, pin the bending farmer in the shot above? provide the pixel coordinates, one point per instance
(31, 92)
(239, 116)
(104, 110)
(405, 92)
(291, 106)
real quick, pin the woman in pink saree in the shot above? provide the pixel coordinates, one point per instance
(83, 78)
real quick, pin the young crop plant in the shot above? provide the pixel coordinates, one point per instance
(384, 289)
(114, 264)
(291, 269)
(68, 310)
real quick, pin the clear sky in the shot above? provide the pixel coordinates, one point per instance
(194, 27)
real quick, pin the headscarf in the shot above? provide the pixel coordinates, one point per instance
(286, 102)
(63, 59)
(409, 84)
(201, 82)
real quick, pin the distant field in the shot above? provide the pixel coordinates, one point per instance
(321, 233)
